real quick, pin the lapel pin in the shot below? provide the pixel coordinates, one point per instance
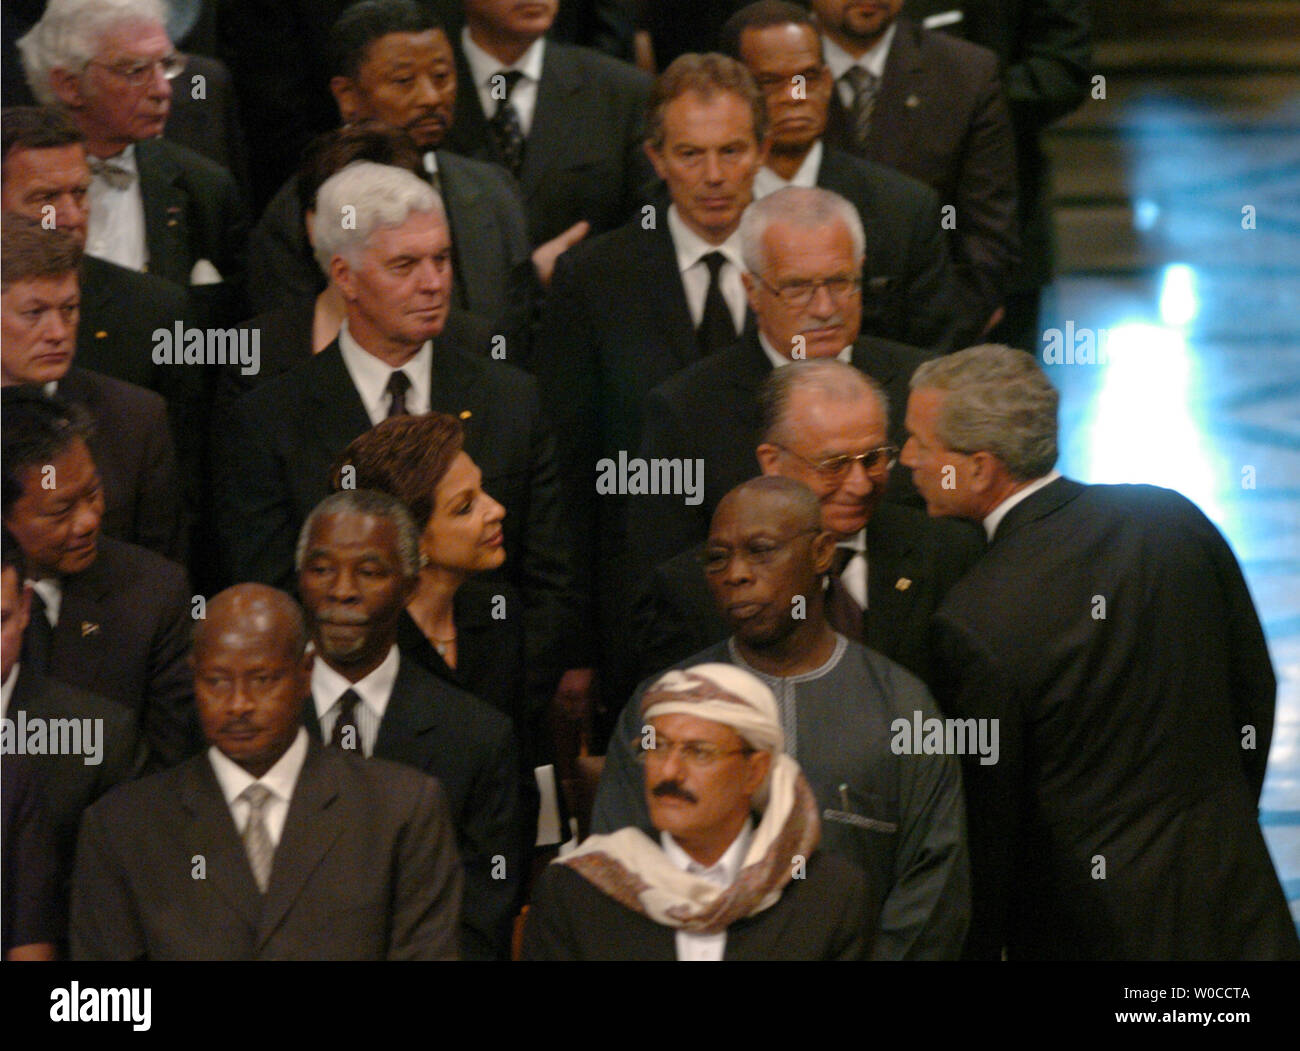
(89, 628)
(465, 414)
(902, 584)
(912, 102)
(101, 334)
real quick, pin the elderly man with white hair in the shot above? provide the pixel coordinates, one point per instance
(381, 234)
(154, 205)
(716, 886)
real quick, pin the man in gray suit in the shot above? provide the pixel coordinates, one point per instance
(342, 858)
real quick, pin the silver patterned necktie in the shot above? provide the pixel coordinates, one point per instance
(118, 177)
(257, 841)
(864, 87)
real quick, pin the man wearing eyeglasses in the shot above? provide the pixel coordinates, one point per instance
(895, 814)
(803, 249)
(154, 206)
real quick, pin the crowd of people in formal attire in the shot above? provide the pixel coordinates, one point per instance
(551, 479)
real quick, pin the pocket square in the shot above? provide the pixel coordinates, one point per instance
(204, 273)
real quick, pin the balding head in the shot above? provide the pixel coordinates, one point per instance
(758, 496)
(251, 674)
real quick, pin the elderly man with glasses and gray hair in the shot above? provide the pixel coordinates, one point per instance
(1109, 633)
(154, 205)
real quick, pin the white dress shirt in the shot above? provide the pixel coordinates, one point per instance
(279, 781)
(7, 688)
(723, 873)
(767, 181)
(115, 230)
(854, 576)
(840, 62)
(328, 688)
(51, 591)
(370, 377)
(483, 67)
(691, 249)
(778, 359)
(994, 518)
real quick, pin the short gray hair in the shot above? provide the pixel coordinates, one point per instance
(830, 378)
(804, 207)
(377, 196)
(998, 400)
(69, 33)
(367, 502)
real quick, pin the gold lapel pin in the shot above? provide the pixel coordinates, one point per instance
(912, 102)
(902, 584)
(101, 334)
(89, 628)
(465, 414)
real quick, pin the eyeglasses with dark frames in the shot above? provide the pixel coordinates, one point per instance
(799, 294)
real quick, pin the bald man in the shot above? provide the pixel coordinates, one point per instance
(266, 847)
(896, 814)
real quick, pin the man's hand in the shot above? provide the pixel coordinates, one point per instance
(545, 255)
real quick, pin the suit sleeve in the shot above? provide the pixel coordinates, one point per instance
(667, 624)
(427, 886)
(1048, 73)
(160, 524)
(170, 718)
(620, 797)
(31, 861)
(489, 842)
(969, 684)
(105, 923)
(927, 911)
(548, 935)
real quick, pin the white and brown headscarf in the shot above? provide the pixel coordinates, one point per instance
(632, 868)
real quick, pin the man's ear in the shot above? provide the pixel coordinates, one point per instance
(656, 160)
(24, 610)
(984, 472)
(764, 148)
(767, 454)
(341, 275)
(347, 98)
(823, 552)
(751, 289)
(756, 770)
(67, 88)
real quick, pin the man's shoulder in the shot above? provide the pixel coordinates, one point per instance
(268, 400)
(594, 65)
(40, 694)
(504, 380)
(145, 291)
(483, 175)
(897, 688)
(951, 54)
(706, 377)
(193, 165)
(382, 785)
(469, 718)
(128, 562)
(143, 806)
(613, 253)
(134, 402)
(883, 188)
(877, 354)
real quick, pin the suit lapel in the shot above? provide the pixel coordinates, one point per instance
(337, 407)
(210, 833)
(555, 119)
(1039, 505)
(408, 718)
(453, 378)
(312, 826)
(659, 279)
(165, 229)
(473, 227)
(893, 577)
(751, 367)
(469, 129)
(80, 644)
(893, 118)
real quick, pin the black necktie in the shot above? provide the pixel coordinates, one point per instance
(38, 639)
(864, 87)
(506, 130)
(842, 610)
(717, 329)
(347, 720)
(398, 384)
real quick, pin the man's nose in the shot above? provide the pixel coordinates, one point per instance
(159, 86)
(821, 304)
(431, 277)
(88, 516)
(71, 214)
(428, 94)
(712, 166)
(343, 586)
(859, 481)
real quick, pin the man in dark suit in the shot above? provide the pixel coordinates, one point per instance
(895, 565)
(803, 252)
(133, 443)
(718, 885)
(157, 206)
(392, 63)
(1109, 633)
(274, 460)
(342, 858)
(933, 107)
(1045, 49)
(908, 281)
(896, 814)
(630, 308)
(565, 121)
(356, 569)
(110, 749)
(107, 617)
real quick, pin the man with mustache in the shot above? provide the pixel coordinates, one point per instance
(717, 885)
(898, 817)
(357, 566)
(268, 846)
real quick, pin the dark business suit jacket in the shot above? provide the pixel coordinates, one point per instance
(209, 124)
(1110, 631)
(132, 446)
(492, 262)
(711, 411)
(675, 615)
(470, 749)
(282, 439)
(583, 158)
(365, 869)
(822, 916)
(909, 291)
(124, 634)
(70, 785)
(940, 116)
(193, 210)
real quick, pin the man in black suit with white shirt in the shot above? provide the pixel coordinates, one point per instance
(357, 566)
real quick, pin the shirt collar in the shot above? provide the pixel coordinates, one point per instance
(370, 374)
(327, 685)
(724, 871)
(691, 247)
(280, 779)
(7, 688)
(483, 66)
(51, 591)
(767, 181)
(840, 61)
(994, 518)
(778, 359)
(858, 541)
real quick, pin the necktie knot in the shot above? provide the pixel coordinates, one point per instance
(398, 384)
(714, 261)
(863, 82)
(717, 328)
(864, 86)
(506, 129)
(257, 797)
(346, 734)
(507, 78)
(118, 177)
